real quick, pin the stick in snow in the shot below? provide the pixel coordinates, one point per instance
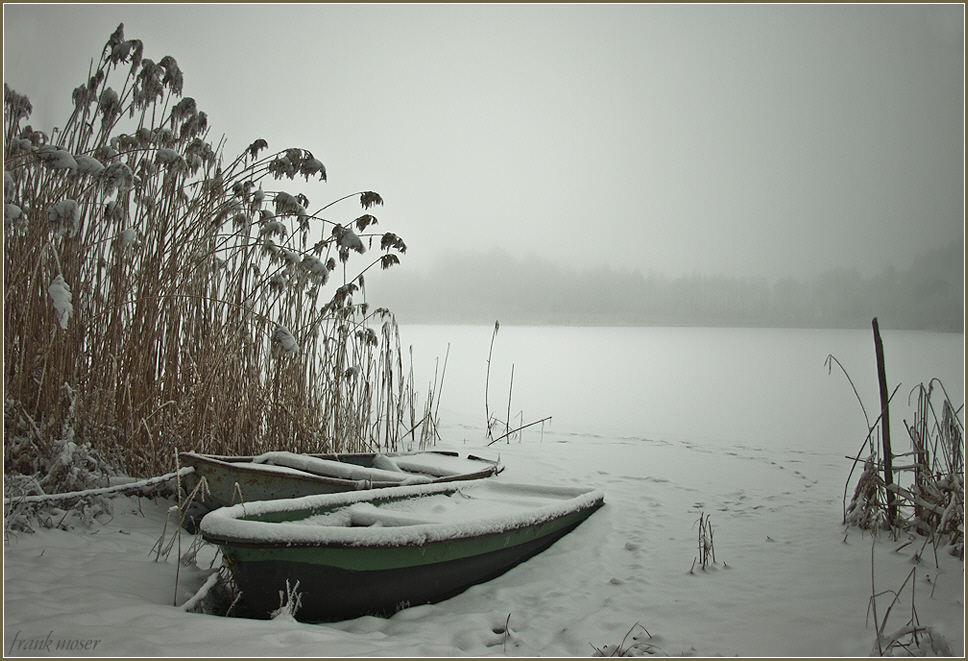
(104, 491)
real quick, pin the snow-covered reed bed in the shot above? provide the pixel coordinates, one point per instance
(159, 297)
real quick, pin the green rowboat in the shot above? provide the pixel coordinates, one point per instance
(375, 552)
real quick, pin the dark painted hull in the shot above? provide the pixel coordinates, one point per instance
(333, 593)
(347, 579)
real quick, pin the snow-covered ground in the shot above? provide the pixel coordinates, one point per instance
(745, 426)
(788, 580)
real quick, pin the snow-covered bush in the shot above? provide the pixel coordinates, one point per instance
(181, 297)
(60, 466)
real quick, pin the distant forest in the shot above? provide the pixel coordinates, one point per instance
(479, 288)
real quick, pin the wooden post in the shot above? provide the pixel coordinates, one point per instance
(885, 425)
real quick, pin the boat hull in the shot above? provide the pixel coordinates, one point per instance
(331, 593)
(375, 552)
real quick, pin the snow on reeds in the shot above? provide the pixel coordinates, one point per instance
(159, 298)
(927, 492)
(60, 295)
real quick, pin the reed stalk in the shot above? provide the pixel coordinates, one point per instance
(157, 295)
(487, 378)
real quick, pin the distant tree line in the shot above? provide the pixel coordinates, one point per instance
(482, 287)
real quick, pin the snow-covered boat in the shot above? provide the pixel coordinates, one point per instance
(375, 552)
(274, 475)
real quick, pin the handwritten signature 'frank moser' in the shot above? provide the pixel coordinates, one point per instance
(51, 645)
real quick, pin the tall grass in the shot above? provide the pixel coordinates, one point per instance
(158, 297)
(931, 499)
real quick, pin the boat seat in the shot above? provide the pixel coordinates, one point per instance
(366, 514)
(339, 469)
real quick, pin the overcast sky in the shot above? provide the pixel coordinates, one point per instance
(743, 140)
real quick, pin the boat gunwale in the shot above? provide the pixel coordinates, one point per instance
(420, 535)
(246, 464)
(341, 456)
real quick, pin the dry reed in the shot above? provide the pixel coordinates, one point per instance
(707, 552)
(911, 639)
(635, 648)
(932, 502)
(158, 299)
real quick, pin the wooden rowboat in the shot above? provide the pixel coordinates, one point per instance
(375, 552)
(274, 475)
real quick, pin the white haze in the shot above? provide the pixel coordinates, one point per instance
(711, 386)
(741, 139)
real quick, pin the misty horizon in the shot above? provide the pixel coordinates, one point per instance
(480, 286)
(737, 139)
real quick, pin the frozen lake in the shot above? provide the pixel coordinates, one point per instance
(743, 426)
(767, 387)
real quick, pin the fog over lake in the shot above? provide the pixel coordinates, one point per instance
(474, 287)
(762, 387)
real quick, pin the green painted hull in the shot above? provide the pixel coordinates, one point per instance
(340, 580)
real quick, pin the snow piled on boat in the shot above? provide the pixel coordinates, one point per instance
(337, 469)
(468, 509)
(435, 463)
